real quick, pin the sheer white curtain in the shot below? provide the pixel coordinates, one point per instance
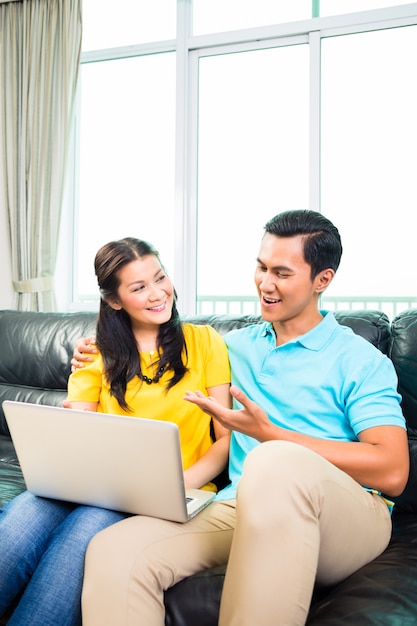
(40, 51)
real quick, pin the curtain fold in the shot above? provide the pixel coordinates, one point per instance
(40, 51)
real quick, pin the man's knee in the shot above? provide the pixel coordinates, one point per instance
(279, 456)
(279, 489)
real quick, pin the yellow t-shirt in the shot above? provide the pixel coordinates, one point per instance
(208, 366)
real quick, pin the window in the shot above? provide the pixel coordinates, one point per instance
(109, 24)
(337, 7)
(211, 16)
(252, 159)
(126, 159)
(369, 159)
(195, 127)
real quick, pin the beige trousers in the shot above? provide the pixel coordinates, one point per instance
(299, 520)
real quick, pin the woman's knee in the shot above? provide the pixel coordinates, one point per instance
(28, 518)
(89, 520)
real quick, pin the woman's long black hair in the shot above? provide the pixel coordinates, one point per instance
(115, 338)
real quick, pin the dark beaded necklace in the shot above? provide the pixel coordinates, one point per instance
(155, 379)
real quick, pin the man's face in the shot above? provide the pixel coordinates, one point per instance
(283, 280)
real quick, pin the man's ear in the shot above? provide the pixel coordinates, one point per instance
(323, 279)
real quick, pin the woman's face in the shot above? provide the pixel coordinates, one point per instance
(145, 292)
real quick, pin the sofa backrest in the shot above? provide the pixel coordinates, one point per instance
(36, 348)
(403, 352)
(372, 325)
(35, 354)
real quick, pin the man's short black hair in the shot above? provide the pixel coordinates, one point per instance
(322, 243)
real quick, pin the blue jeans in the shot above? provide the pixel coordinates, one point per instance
(42, 550)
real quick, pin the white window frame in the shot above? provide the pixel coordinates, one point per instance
(189, 49)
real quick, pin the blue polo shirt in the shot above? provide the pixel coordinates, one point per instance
(329, 383)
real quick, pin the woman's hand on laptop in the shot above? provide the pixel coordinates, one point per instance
(83, 348)
(80, 406)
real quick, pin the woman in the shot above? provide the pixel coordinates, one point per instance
(146, 361)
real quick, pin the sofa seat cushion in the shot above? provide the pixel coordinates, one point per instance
(11, 478)
(382, 592)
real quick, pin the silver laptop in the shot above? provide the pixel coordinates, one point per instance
(122, 463)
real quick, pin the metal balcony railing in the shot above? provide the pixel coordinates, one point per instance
(249, 305)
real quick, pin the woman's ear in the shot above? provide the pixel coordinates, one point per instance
(323, 279)
(115, 304)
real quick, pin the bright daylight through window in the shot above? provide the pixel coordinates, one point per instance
(200, 120)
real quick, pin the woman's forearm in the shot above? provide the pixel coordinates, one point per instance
(210, 465)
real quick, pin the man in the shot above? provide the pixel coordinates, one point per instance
(318, 434)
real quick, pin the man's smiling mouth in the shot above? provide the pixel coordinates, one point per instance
(270, 300)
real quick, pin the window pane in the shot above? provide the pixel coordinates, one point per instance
(369, 138)
(127, 22)
(212, 16)
(253, 158)
(126, 158)
(336, 7)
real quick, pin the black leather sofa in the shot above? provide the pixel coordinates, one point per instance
(35, 351)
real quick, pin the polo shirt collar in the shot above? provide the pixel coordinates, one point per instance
(315, 338)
